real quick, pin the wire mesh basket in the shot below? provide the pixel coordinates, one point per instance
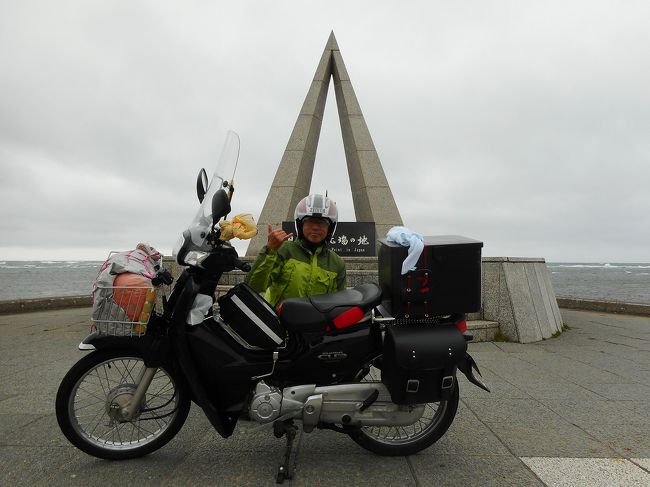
(123, 310)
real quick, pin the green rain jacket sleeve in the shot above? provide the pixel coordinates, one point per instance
(259, 276)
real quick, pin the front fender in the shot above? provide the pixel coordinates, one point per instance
(155, 350)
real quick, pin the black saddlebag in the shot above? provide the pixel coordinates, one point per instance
(420, 362)
(251, 318)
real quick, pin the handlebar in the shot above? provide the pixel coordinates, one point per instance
(163, 276)
(241, 265)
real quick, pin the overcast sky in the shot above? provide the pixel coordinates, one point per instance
(524, 124)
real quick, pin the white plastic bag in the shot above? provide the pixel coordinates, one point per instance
(407, 238)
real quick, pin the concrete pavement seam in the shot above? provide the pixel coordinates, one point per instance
(412, 469)
(638, 465)
(598, 440)
(568, 379)
(591, 365)
(502, 442)
(38, 418)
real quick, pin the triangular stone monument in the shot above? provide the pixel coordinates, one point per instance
(372, 198)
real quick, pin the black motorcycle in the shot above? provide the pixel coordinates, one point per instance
(336, 361)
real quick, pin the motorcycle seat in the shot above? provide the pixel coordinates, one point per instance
(327, 312)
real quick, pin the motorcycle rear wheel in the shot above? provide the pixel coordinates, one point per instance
(85, 416)
(407, 440)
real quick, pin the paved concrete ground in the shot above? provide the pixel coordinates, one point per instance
(573, 410)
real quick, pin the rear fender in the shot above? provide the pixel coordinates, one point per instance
(467, 366)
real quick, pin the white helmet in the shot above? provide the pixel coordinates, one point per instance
(316, 205)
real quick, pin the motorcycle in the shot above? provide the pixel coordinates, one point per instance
(336, 361)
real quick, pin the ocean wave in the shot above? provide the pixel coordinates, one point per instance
(64, 266)
(600, 266)
(50, 264)
(581, 266)
(68, 266)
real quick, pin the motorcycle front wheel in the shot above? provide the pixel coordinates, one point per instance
(91, 392)
(406, 440)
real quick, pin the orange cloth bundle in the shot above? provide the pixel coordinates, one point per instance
(130, 294)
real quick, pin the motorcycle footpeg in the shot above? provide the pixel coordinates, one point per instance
(369, 400)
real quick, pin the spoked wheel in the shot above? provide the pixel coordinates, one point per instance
(98, 386)
(407, 440)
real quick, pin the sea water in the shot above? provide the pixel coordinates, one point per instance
(600, 281)
(627, 282)
(40, 279)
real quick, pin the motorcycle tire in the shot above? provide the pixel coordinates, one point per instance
(407, 440)
(107, 378)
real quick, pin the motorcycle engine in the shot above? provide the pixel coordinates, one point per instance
(266, 403)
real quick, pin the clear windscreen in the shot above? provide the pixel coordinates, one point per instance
(222, 180)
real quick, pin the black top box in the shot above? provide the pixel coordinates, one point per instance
(447, 278)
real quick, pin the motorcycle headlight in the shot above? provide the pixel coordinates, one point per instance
(195, 258)
(185, 252)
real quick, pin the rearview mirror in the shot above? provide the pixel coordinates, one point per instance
(201, 185)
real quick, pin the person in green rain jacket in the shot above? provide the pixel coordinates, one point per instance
(303, 267)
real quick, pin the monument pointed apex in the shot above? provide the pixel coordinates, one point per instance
(371, 195)
(331, 43)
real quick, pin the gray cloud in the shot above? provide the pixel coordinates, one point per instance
(521, 124)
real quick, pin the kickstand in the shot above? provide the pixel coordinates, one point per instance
(280, 428)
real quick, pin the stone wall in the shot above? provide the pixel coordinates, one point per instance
(517, 292)
(637, 309)
(44, 304)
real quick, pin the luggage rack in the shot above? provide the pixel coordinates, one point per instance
(122, 310)
(433, 320)
(386, 319)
